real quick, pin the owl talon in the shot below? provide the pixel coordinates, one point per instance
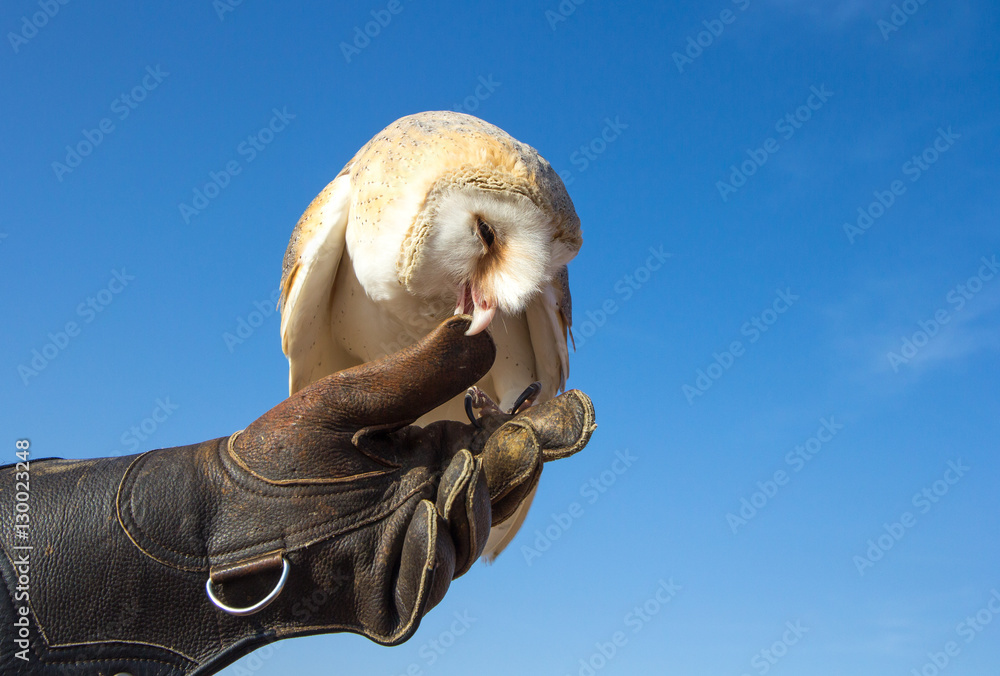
(469, 410)
(526, 398)
(475, 398)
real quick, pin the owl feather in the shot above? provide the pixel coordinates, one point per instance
(439, 213)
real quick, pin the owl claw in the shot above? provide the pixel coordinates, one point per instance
(526, 398)
(481, 400)
(475, 398)
(469, 410)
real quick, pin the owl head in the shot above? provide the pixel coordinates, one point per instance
(485, 244)
(487, 220)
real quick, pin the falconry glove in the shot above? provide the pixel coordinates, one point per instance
(328, 513)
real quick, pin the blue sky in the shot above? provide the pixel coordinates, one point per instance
(737, 296)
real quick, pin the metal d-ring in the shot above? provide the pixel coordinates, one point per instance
(260, 605)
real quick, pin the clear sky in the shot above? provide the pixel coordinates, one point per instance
(786, 304)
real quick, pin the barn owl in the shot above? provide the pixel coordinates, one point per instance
(440, 213)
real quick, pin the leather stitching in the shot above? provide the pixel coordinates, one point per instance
(205, 560)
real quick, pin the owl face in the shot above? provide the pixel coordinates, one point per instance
(485, 250)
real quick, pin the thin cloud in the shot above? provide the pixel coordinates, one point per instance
(970, 331)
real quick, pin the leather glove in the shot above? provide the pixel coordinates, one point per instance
(329, 513)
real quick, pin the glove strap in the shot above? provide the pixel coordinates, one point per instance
(252, 566)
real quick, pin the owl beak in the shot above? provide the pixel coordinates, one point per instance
(471, 302)
(482, 315)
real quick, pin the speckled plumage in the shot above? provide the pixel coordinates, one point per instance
(363, 274)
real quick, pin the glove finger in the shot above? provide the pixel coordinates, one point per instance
(513, 455)
(513, 462)
(563, 425)
(401, 387)
(464, 503)
(426, 567)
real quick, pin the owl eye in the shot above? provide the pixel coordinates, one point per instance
(486, 232)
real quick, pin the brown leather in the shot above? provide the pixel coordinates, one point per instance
(254, 566)
(514, 454)
(376, 515)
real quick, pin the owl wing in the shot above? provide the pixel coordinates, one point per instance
(310, 267)
(549, 318)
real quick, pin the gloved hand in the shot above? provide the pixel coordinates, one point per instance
(328, 513)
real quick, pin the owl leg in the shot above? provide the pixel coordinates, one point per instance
(475, 398)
